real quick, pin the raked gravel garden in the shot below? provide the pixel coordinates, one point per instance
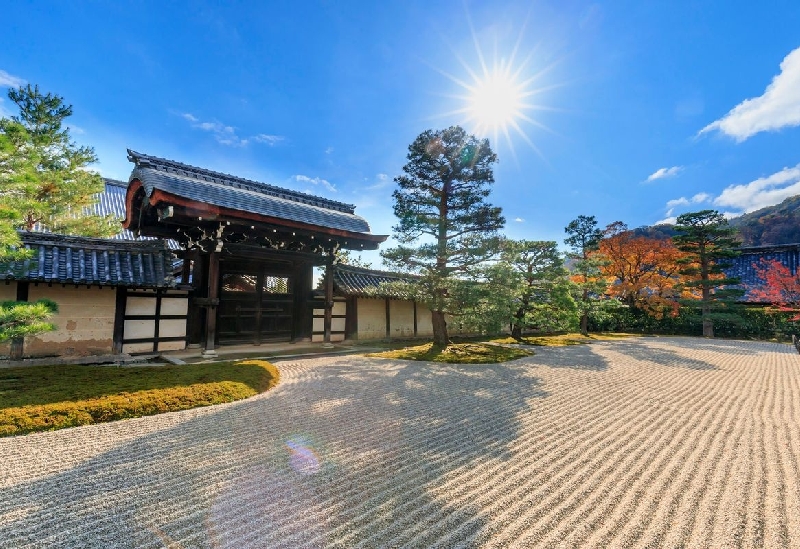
(640, 442)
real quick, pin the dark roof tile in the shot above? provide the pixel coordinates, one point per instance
(81, 260)
(236, 193)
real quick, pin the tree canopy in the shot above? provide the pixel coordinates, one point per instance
(642, 272)
(584, 238)
(45, 183)
(709, 244)
(45, 178)
(446, 229)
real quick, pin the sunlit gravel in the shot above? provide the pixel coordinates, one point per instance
(643, 442)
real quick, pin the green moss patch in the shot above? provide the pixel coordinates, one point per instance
(46, 398)
(560, 340)
(457, 353)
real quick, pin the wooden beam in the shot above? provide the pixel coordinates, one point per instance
(211, 310)
(119, 319)
(415, 317)
(388, 319)
(328, 297)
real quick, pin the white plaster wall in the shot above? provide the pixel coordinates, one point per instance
(371, 318)
(424, 323)
(401, 318)
(84, 322)
(172, 305)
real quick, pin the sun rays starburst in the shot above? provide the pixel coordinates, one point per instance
(497, 97)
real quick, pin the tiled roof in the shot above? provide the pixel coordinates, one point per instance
(240, 194)
(81, 260)
(112, 202)
(357, 281)
(743, 269)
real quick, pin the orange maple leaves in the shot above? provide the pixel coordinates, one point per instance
(642, 272)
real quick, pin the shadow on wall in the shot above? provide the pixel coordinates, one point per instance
(353, 451)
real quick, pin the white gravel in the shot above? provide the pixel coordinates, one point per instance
(645, 442)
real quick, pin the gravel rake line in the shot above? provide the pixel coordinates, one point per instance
(669, 459)
(654, 441)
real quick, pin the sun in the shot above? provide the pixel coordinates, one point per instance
(495, 102)
(498, 96)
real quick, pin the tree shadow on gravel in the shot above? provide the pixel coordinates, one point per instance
(356, 452)
(577, 357)
(662, 357)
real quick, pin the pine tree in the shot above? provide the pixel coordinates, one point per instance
(446, 229)
(709, 244)
(44, 182)
(44, 175)
(584, 238)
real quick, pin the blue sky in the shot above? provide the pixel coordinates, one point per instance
(644, 110)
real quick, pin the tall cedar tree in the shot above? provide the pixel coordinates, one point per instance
(584, 238)
(539, 287)
(446, 229)
(709, 244)
(43, 181)
(642, 271)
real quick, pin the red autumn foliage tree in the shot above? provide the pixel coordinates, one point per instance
(780, 287)
(642, 271)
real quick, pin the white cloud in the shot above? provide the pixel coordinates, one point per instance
(381, 181)
(763, 192)
(268, 139)
(682, 201)
(740, 199)
(226, 135)
(329, 150)
(669, 220)
(662, 173)
(776, 108)
(315, 181)
(519, 220)
(10, 81)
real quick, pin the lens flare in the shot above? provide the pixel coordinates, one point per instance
(302, 457)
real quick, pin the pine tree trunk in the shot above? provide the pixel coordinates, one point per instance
(439, 329)
(708, 324)
(585, 314)
(516, 331)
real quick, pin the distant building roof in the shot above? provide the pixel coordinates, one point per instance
(743, 267)
(360, 282)
(98, 261)
(236, 193)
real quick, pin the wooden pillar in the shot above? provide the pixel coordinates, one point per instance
(415, 317)
(18, 343)
(328, 298)
(195, 319)
(119, 319)
(186, 267)
(388, 318)
(213, 301)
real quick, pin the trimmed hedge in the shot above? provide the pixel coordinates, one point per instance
(47, 407)
(748, 323)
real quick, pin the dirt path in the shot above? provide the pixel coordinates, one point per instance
(647, 442)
